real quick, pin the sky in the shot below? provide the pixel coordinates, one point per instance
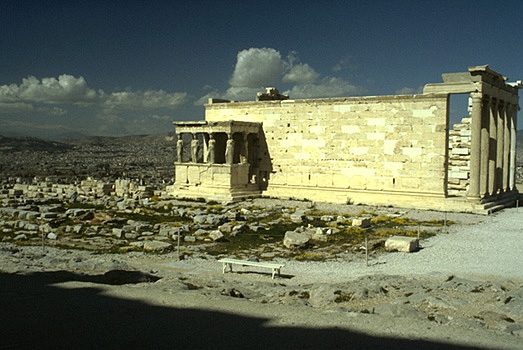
(114, 68)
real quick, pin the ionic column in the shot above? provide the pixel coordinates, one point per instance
(506, 148)
(513, 137)
(179, 148)
(492, 147)
(475, 146)
(500, 139)
(485, 141)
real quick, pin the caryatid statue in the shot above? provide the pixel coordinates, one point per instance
(195, 145)
(211, 156)
(229, 150)
(179, 148)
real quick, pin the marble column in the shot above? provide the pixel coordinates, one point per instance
(499, 148)
(475, 147)
(513, 137)
(493, 112)
(506, 148)
(485, 146)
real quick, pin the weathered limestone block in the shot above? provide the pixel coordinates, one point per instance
(157, 246)
(297, 217)
(52, 236)
(295, 239)
(402, 244)
(361, 222)
(117, 232)
(216, 235)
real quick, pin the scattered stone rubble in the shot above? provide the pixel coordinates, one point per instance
(125, 216)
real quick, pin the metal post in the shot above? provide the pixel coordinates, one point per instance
(366, 251)
(178, 246)
(43, 242)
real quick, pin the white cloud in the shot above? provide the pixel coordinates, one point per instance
(233, 93)
(301, 74)
(65, 89)
(409, 91)
(14, 107)
(240, 93)
(257, 67)
(58, 100)
(149, 99)
(343, 64)
(327, 87)
(52, 110)
(68, 89)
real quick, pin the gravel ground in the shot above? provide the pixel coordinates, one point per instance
(491, 249)
(478, 247)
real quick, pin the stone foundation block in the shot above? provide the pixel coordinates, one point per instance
(402, 244)
(361, 222)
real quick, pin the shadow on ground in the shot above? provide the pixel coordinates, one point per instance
(36, 314)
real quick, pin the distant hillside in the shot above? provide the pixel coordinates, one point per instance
(12, 144)
(120, 140)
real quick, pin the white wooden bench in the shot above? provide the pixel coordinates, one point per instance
(227, 263)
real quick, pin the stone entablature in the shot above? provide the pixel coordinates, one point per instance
(389, 150)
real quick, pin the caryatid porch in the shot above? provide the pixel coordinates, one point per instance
(221, 162)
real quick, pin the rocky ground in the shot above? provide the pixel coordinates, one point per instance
(95, 285)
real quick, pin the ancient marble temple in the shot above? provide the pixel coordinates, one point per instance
(381, 150)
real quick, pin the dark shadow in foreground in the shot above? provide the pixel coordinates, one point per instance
(36, 314)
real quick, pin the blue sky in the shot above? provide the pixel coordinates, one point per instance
(133, 67)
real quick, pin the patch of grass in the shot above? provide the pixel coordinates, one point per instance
(214, 207)
(310, 256)
(364, 212)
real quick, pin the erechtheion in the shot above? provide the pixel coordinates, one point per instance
(394, 150)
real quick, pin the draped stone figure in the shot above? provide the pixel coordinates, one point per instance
(229, 151)
(211, 156)
(195, 144)
(179, 149)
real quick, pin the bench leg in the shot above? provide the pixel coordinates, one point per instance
(225, 267)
